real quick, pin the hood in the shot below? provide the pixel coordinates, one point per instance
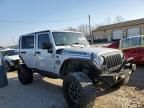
(86, 51)
(14, 57)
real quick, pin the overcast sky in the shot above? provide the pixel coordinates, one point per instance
(23, 16)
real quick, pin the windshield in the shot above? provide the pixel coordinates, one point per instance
(69, 38)
(9, 53)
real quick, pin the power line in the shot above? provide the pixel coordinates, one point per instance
(22, 21)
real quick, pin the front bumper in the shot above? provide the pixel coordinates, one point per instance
(115, 77)
(14, 63)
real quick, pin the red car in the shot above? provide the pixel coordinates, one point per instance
(131, 47)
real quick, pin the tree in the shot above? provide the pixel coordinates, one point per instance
(71, 29)
(84, 28)
(119, 19)
(107, 21)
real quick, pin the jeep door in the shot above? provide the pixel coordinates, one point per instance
(45, 59)
(27, 50)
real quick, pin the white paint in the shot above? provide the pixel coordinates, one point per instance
(29, 56)
(44, 60)
(47, 61)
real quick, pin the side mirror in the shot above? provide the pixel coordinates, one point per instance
(47, 46)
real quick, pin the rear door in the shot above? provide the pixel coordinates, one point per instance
(45, 59)
(27, 50)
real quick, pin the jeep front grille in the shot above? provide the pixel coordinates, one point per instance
(113, 62)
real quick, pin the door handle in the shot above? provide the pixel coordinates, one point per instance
(23, 52)
(37, 52)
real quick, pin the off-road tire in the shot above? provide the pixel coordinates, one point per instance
(25, 75)
(85, 87)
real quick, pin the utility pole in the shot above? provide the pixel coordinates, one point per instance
(90, 29)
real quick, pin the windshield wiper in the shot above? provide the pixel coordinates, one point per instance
(71, 44)
(63, 44)
(77, 43)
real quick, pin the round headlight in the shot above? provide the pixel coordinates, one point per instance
(101, 60)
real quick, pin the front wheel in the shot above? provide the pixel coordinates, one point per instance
(78, 90)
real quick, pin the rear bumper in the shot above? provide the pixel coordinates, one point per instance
(113, 78)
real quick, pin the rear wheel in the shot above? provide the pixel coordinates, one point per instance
(78, 90)
(25, 75)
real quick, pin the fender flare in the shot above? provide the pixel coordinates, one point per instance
(91, 64)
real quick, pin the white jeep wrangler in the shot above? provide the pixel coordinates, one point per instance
(67, 55)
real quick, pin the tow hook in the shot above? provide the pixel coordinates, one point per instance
(119, 78)
(133, 66)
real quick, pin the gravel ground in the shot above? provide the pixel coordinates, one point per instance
(47, 93)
